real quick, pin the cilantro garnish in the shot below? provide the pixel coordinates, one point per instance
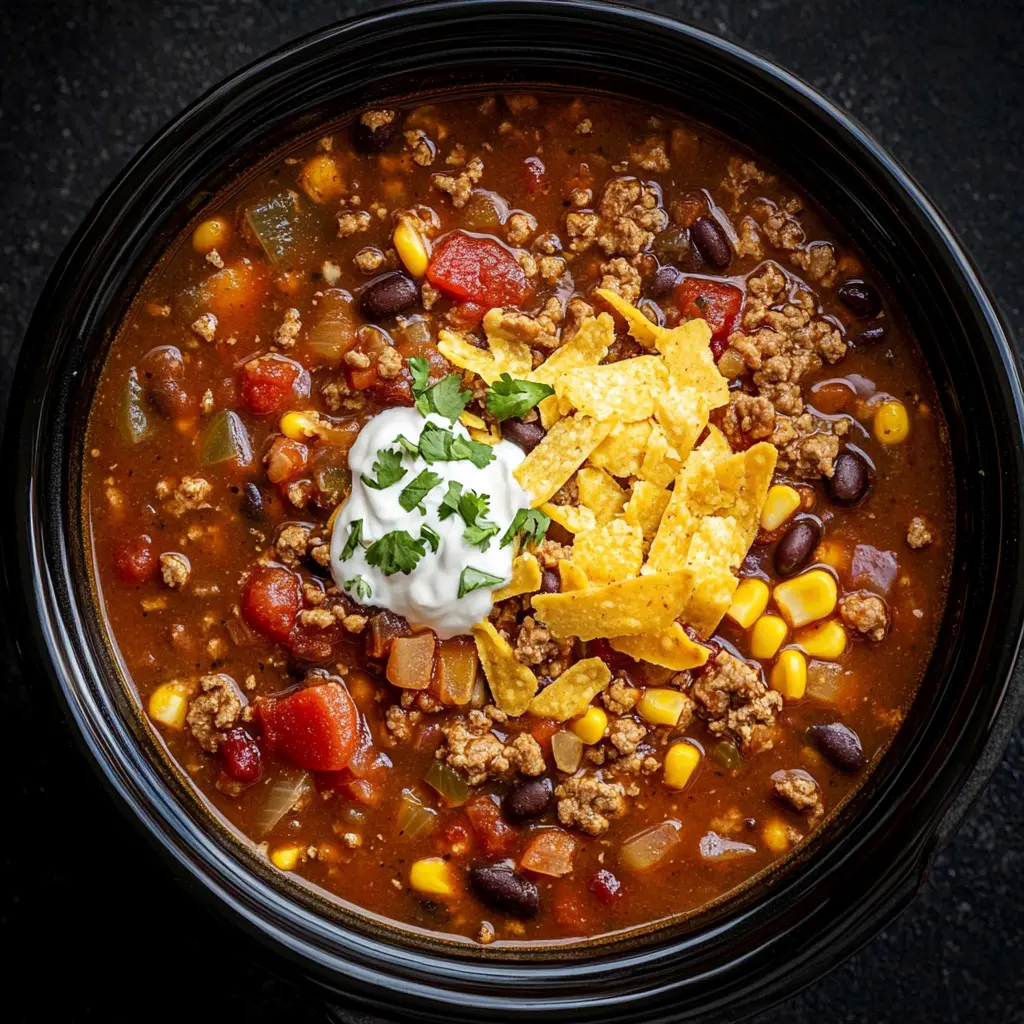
(420, 370)
(427, 534)
(413, 493)
(472, 507)
(529, 522)
(507, 397)
(446, 397)
(438, 444)
(395, 552)
(358, 586)
(409, 447)
(355, 538)
(473, 579)
(388, 469)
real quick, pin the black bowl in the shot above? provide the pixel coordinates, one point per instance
(793, 924)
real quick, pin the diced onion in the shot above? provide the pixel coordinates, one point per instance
(550, 853)
(716, 847)
(567, 750)
(642, 851)
(448, 783)
(823, 679)
(281, 796)
(415, 818)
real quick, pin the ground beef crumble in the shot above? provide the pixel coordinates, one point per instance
(800, 791)
(620, 697)
(472, 747)
(866, 614)
(919, 534)
(216, 709)
(732, 696)
(587, 803)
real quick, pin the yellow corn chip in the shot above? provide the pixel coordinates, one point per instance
(622, 451)
(661, 461)
(716, 442)
(600, 493)
(512, 683)
(569, 695)
(611, 552)
(623, 391)
(470, 419)
(676, 527)
(646, 506)
(717, 549)
(671, 649)
(457, 349)
(571, 577)
(687, 352)
(512, 354)
(484, 436)
(640, 327)
(759, 465)
(683, 413)
(575, 518)
(642, 604)
(559, 455)
(525, 578)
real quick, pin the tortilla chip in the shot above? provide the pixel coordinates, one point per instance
(559, 455)
(717, 550)
(646, 506)
(683, 414)
(622, 391)
(716, 442)
(611, 552)
(575, 518)
(570, 694)
(457, 349)
(676, 527)
(512, 683)
(759, 466)
(484, 436)
(642, 604)
(571, 577)
(661, 461)
(526, 575)
(471, 420)
(511, 353)
(600, 493)
(672, 649)
(622, 451)
(687, 352)
(640, 327)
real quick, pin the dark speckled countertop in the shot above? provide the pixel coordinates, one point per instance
(84, 85)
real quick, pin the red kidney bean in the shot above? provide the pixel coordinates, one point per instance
(388, 295)
(850, 479)
(527, 799)
(861, 298)
(550, 582)
(506, 890)
(840, 744)
(526, 435)
(605, 886)
(242, 758)
(795, 548)
(373, 140)
(711, 243)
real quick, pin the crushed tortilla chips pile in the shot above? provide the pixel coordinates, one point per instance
(648, 559)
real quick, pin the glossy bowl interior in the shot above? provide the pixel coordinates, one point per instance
(767, 939)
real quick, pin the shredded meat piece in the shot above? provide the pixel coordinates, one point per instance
(919, 535)
(587, 803)
(518, 326)
(289, 329)
(650, 154)
(626, 734)
(631, 214)
(460, 187)
(375, 119)
(818, 261)
(389, 363)
(472, 747)
(291, 544)
(549, 553)
(576, 311)
(780, 224)
(807, 445)
(620, 697)
(621, 277)
(205, 326)
(422, 149)
(190, 494)
(534, 644)
(865, 613)
(519, 227)
(353, 223)
(740, 175)
(747, 418)
(369, 260)
(581, 227)
(175, 569)
(401, 723)
(214, 711)
(733, 697)
(749, 241)
(800, 790)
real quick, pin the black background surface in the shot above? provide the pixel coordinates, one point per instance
(87, 912)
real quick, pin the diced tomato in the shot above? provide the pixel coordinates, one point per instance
(456, 832)
(542, 729)
(135, 560)
(535, 172)
(478, 269)
(242, 759)
(394, 390)
(569, 910)
(268, 383)
(286, 459)
(314, 643)
(466, 315)
(315, 728)
(605, 886)
(497, 837)
(270, 600)
(615, 660)
(714, 301)
(384, 627)
(361, 378)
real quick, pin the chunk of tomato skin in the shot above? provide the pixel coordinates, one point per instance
(135, 560)
(315, 728)
(542, 730)
(478, 269)
(536, 175)
(271, 600)
(241, 756)
(269, 382)
(361, 378)
(570, 911)
(395, 390)
(465, 315)
(497, 837)
(605, 886)
(716, 302)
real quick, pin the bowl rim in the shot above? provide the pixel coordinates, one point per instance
(32, 572)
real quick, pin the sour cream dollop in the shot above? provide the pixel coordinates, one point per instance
(428, 595)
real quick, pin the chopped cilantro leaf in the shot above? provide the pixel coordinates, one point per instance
(450, 502)
(446, 397)
(420, 370)
(479, 534)
(477, 452)
(530, 522)
(427, 534)
(473, 579)
(413, 493)
(472, 508)
(388, 469)
(355, 537)
(359, 587)
(507, 397)
(395, 552)
(438, 444)
(409, 447)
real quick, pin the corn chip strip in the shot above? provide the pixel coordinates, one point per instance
(646, 506)
(716, 442)
(642, 604)
(526, 577)
(575, 518)
(640, 327)
(511, 354)
(471, 420)
(759, 465)
(569, 695)
(677, 526)
(600, 493)
(559, 455)
(571, 577)
(611, 552)
(687, 352)
(621, 453)
(622, 391)
(512, 683)
(661, 461)
(466, 356)
(683, 414)
(672, 649)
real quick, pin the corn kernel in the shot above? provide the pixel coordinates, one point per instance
(432, 875)
(891, 424)
(590, 726)
(211, 234)
(298, 426)
(776, 835)
(789, 674)
(168, 705)
(661, 706)
(411, 248)
(286, 857)
(833, 553)
(767, 636)
(781, 503)
(321, 178)
(748, 602)
(680, 763)
(731, 364)
(823, 640)
(806, 598)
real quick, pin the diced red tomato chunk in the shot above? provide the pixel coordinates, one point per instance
(479, 270)
(270, 601)
(497, 837)
(315, 728)
(135, 560)
(268, 382)
(394, 390)
(570, 912)
(717, 302)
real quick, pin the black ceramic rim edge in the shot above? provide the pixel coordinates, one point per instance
(33, 582)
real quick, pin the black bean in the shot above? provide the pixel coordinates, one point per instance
(663, 282)
(796, 546)
(850, 479)
(505, 890)
(388, 295)
(870, 335)
(711, 243)
(526, 435)
(373, 140)
(527, 799)
(840, 744)
(550, 582)
(861, 298)
(251, 505)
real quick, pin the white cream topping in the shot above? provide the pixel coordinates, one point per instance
(428, 595)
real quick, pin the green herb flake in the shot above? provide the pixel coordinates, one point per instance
(420, 370)
(388, 469)
(531, 523)
(473, 579)
(508, 397)
(407, 445)
(413, 493)
(359, 588)
(438, 444)
(446, 398)
(355, 538)
(395, 552)
(428, 535)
